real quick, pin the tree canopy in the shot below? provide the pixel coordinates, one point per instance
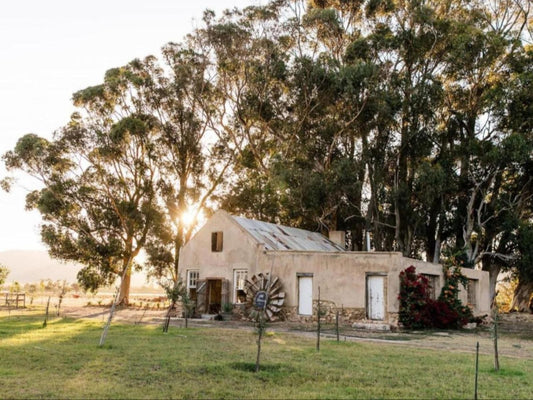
(409, 121)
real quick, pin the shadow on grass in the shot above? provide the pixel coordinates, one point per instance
(505, 372)
(271, 368)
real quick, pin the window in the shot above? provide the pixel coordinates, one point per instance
(239, 293)
(471, 292)
(192, 280)
(432, 280)
(216, 241)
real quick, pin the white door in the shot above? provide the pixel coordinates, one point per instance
(305, 295)
(375, 297)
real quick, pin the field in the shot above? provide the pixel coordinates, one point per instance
(139, 361)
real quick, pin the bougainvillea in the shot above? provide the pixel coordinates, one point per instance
(414, 297)
(419, 311)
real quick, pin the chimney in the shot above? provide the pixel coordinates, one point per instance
(338, 237)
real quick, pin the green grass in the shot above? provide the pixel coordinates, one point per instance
(64, 361)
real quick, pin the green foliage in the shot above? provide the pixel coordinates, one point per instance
(449, 295)
(174, 290)
(419, 311)
(408, 119)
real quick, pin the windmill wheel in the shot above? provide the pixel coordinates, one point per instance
(264, 296)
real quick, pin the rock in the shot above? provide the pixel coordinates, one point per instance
(470, 325)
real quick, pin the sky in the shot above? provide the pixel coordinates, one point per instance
(51, 49)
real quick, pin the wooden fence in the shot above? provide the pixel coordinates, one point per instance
(14, 299)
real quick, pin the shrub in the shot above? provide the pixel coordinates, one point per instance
(419, 311)
(414, 297)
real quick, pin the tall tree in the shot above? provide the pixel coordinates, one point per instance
(97, 200)
(192, 163)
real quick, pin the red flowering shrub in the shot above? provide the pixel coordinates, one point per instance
(419, 311)
(440, 315)
(414, 297)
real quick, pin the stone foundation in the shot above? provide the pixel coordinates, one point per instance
(347, 315)
(328, 313)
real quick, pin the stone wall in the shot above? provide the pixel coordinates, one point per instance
(346, 315)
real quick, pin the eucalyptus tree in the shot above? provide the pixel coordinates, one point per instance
(119, 177)
(192, 162)
(492, 183)
(289, 109)
(96, 200)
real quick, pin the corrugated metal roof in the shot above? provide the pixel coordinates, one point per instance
(279, 237)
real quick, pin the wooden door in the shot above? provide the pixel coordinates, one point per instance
(375, 297)
(305, 295)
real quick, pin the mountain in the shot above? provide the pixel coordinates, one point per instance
(27, 266)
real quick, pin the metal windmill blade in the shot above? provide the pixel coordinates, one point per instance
(263, 288)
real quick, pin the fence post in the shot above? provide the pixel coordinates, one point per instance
(337, 324)
(477, 369)
(318, 322)
(495, 339)
(46, 315)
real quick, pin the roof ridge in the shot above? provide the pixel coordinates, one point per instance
(281, 237)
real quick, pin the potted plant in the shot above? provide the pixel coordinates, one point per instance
(227, 311)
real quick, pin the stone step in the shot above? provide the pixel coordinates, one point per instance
(371, 326)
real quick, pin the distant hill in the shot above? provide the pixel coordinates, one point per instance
(33, 265)
(27, 266)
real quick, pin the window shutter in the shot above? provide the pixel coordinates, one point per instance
(219, 241)
(216, 241)
(225, 291)
(201, 296)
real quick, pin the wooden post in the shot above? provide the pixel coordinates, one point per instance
(262, 321)
(318, 322)
(495, 322)
(477, 369)
(111, 312)
(46, 314)
(260, 336)
(337, 324)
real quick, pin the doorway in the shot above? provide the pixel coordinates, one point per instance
(305, 295)
(214, 296)
(375, 297)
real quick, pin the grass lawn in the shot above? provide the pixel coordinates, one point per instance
(64, 361)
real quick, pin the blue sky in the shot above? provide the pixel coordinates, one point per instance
(52, 48)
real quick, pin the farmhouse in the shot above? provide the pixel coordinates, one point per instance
(364, 285)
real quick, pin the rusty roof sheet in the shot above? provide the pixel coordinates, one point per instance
(279, 237)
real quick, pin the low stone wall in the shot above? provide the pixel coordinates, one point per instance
(347, 315)
(329, 310)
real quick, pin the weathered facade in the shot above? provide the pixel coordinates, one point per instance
(362, 285)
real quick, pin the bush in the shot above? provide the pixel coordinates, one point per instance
(414, 298)
(419, 311)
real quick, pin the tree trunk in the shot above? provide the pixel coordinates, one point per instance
(522, 299)
(124, 296)
(494, 271)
